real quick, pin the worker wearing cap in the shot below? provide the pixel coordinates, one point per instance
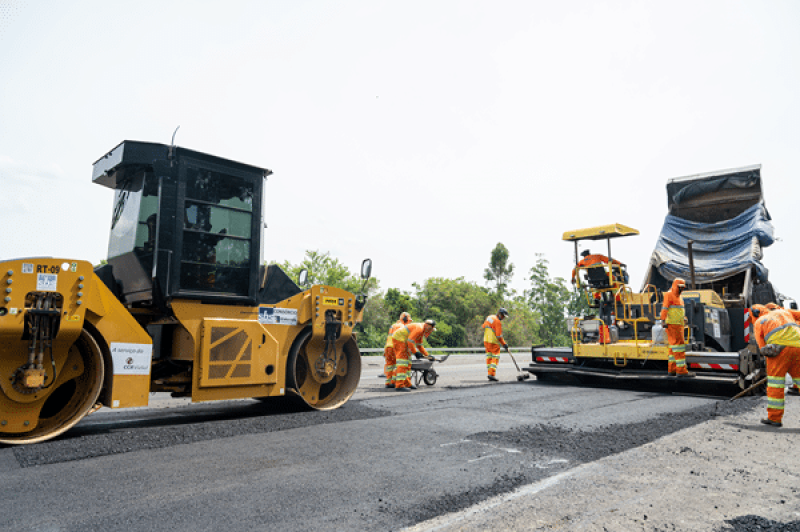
(778, 338)
(590, 260)
(492, 340)
(389, 366)
(674, 317)
(407, 340)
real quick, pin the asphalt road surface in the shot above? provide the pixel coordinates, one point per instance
(464, 454)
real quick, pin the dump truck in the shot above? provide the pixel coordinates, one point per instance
(183, 304)
(712, 237)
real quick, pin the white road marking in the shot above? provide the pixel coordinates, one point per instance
(439, 523)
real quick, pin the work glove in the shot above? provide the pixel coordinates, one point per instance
(771, 350)
(506, 348)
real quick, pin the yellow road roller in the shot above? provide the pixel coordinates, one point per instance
(183, 305)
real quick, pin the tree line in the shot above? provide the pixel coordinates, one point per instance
(537, 316)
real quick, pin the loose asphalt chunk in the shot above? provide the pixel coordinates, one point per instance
(754, 523)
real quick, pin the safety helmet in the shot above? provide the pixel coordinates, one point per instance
(432, 323)
(502, 312)
(405, 317)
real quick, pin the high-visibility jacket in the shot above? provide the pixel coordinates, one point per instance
(392, 330)
(412, 334)
(493, 331)
(777, 327)
(672, 312)
(590, 260)
(795, 314)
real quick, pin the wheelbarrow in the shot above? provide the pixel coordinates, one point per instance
(422, 369)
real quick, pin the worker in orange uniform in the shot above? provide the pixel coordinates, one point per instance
(794, 389)
(778, 338)
(590, 260)
(492, 340)
(407, 340)
(674, 317)
(388, 349)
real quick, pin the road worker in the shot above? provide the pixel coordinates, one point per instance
(407, 340)
(674, 317)
(388, 349)
(794, 389)
(492, 340)
(590, 260)
(778, 338)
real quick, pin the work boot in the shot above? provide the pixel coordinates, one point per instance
(403, 389)
(687, 375)
(390, 385)
(768, 421)
(413, 386)
(671, 373)
(493, 378)
(794, 391)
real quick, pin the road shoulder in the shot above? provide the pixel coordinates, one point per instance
(696, 479)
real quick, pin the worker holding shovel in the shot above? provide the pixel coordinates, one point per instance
(492, 340)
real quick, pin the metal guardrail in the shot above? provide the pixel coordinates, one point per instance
(451, 350)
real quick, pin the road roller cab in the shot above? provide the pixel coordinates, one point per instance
(185, 225)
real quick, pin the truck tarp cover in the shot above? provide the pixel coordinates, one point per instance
(719, 250)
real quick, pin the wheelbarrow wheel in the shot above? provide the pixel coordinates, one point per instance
(429, 377)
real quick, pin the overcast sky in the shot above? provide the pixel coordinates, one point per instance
(417, 133)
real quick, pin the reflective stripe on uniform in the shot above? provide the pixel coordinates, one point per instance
(775, 403)
(776, 382)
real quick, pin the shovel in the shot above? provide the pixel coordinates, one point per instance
(521, 376)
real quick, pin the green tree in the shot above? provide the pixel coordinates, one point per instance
(324, 269)
(578, 304)
(459, 304)
(398, 302)
(549, 298)
(377, 320)
(500, 271)
(521, 327)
